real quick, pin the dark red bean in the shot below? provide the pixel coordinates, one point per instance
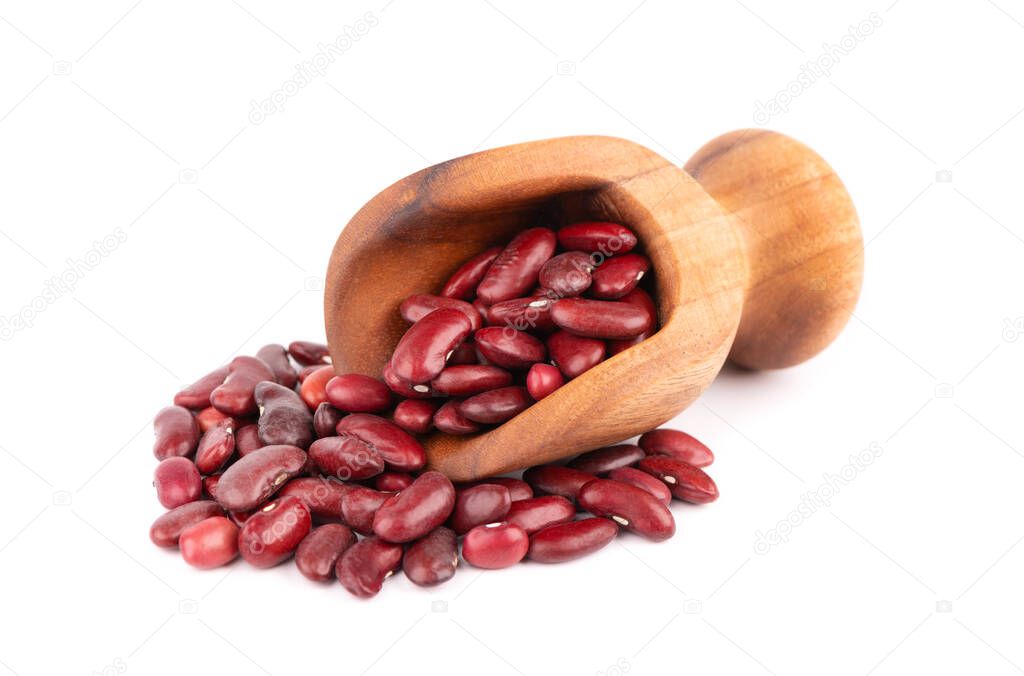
(574, 355)
(257, 476)
(177, 482)
(678, 445)
(557, 480)
(177, 432)
(210, 417)
(531, 314)
(417, 510)
(480, 504)
(495, 545)
(605, 319)
(274, 531)
(515, 270)
(619, 275)
(365, 565)
(496, 406)
(308, 354)
(276, 357)
(359, 506)
(319, 551)
(399, 449)
(542, 380)
(210, 485)
(235, 396)
(572, 540)
(449, 420)
(356, 393)
(641, 479)
(416, 416)
(509, 348)
(464, 381)
(346, 457)
(632, 508)
(604, 460)
(607, 239)
(167, 528)
(567, 274)
(463, 354)
(462, 284)
(536, 514)
(314, 388)
(392, 482)
(322, 495)
(247, 439)
(641, 299)
(432, 559)
(197, 395)
(325, 419)
(216, 447)
(687, 483)
(211, 543)
(418, 306)
(402, 388)
(422, 352)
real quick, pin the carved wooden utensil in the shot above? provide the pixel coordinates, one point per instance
(755, 248)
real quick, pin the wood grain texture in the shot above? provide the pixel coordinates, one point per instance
(413, 235)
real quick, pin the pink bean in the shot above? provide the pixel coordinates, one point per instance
(619, 275)
(197, 395)
(235, 396)
(464, 281)
(359, 506)
(323, 496)
(604, 460)
(314, 387)
(496, 406)
(274, 531)
(597, 237)
(417, 510)
(177, 432)
(216, 447)
(449, 420)
(415, 416)
(464, 381)
(557, 480)
(211, 543)
(678, 445)
(495, 545)
(346, 457)
(168, 527)
(480, 504)
(398, 448)
(643, 480)
(308, 354)
(325, 419)
(572, 540)
(319, 551)
(247, 440)
(567, 274)
(517, 267)
(536, 514)
(612, 320)
(542, 380)
(257, 476)
(532, 314)
(177, 482)
(365, 565)
(632, 508)
(418, 306)
(574, 355)
(422, 352)
(687, 483)
(356, 393)
(509, 348)
(432, 559)
(276, 357)
(392, 482)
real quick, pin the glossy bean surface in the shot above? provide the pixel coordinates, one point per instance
(346, 457)
(177, 482)
(574, 355)
(356, 393)
(557, 480)
(257, 476)
(314, 387)
(423, 350)
(687, 483)
(517, 267)
(567, 274)
(276, 357)
(177, 432)
(211, 543)
(398, 448)
(392, 482)
(432, 559)
(517, 488)
(678, 445)
(604, 460)
(508, 348)
(463, 282)
(605, 319)
(216, 447)
(480, 504)
(417, 510)
(403, 388)
(632, 508)
(619, 275)
(274, 531)
(449, 420)
(535, 514)
(531, 314)
(325, 419)
(318, 553)
(322, 495)
(197, 395)
(415, 416)
(209, 417)
(365, 565)
(465, 381)
(495, 545)
(168, 527)
(359, 506)
(643, 480)
(464, 354)
(235, 396)
(308, 353)
(542, 380)
(601, 237)
(418, 306)
(568, 541)
(496, 406)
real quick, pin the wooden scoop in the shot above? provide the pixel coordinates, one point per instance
(756, 250)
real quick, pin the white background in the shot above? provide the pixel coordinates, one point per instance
(136, 117)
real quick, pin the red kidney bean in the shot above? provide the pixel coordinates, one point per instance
(257, 476)
(318, 553)
(643, 480)
(197, 395)
(557, 480)
(463, 354)
(247, 439)
(308, 354)
(365, 565)
(572, 540)
(480, 504)
(517, 488)
(306, 370)
(574, 355)
(325, 419)
(415, 416)
(495, 545)
(542, 380)
(509, 348)
(359, 506)
(597, 237)
(399, 449)
(346, 457)
(210, 485)
(432, 559)
(314, 388)
(418, 306)
(606, 319)
(462, 284)
(235, 395)
(449, 420)
(422, 352)
(210, 417)
(496, 406)
(211, 543)
(392, 482)
(522, 314)
(177, 432)
(168, 527)
(356, 393)
(536, 514)
(323, 496)
(619, 275)
(417, 510)
(687, 483)
(516, 268)
(276, 357)
(284, 417)
(216, 447)
(567, 274)
(632, 508)
(678, 445)
(604, 460)
(463, 381)
(274, 531)
(402, 388)
(641, 299)
(177, 482)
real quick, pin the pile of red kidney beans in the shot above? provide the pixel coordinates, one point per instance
(266, 461)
